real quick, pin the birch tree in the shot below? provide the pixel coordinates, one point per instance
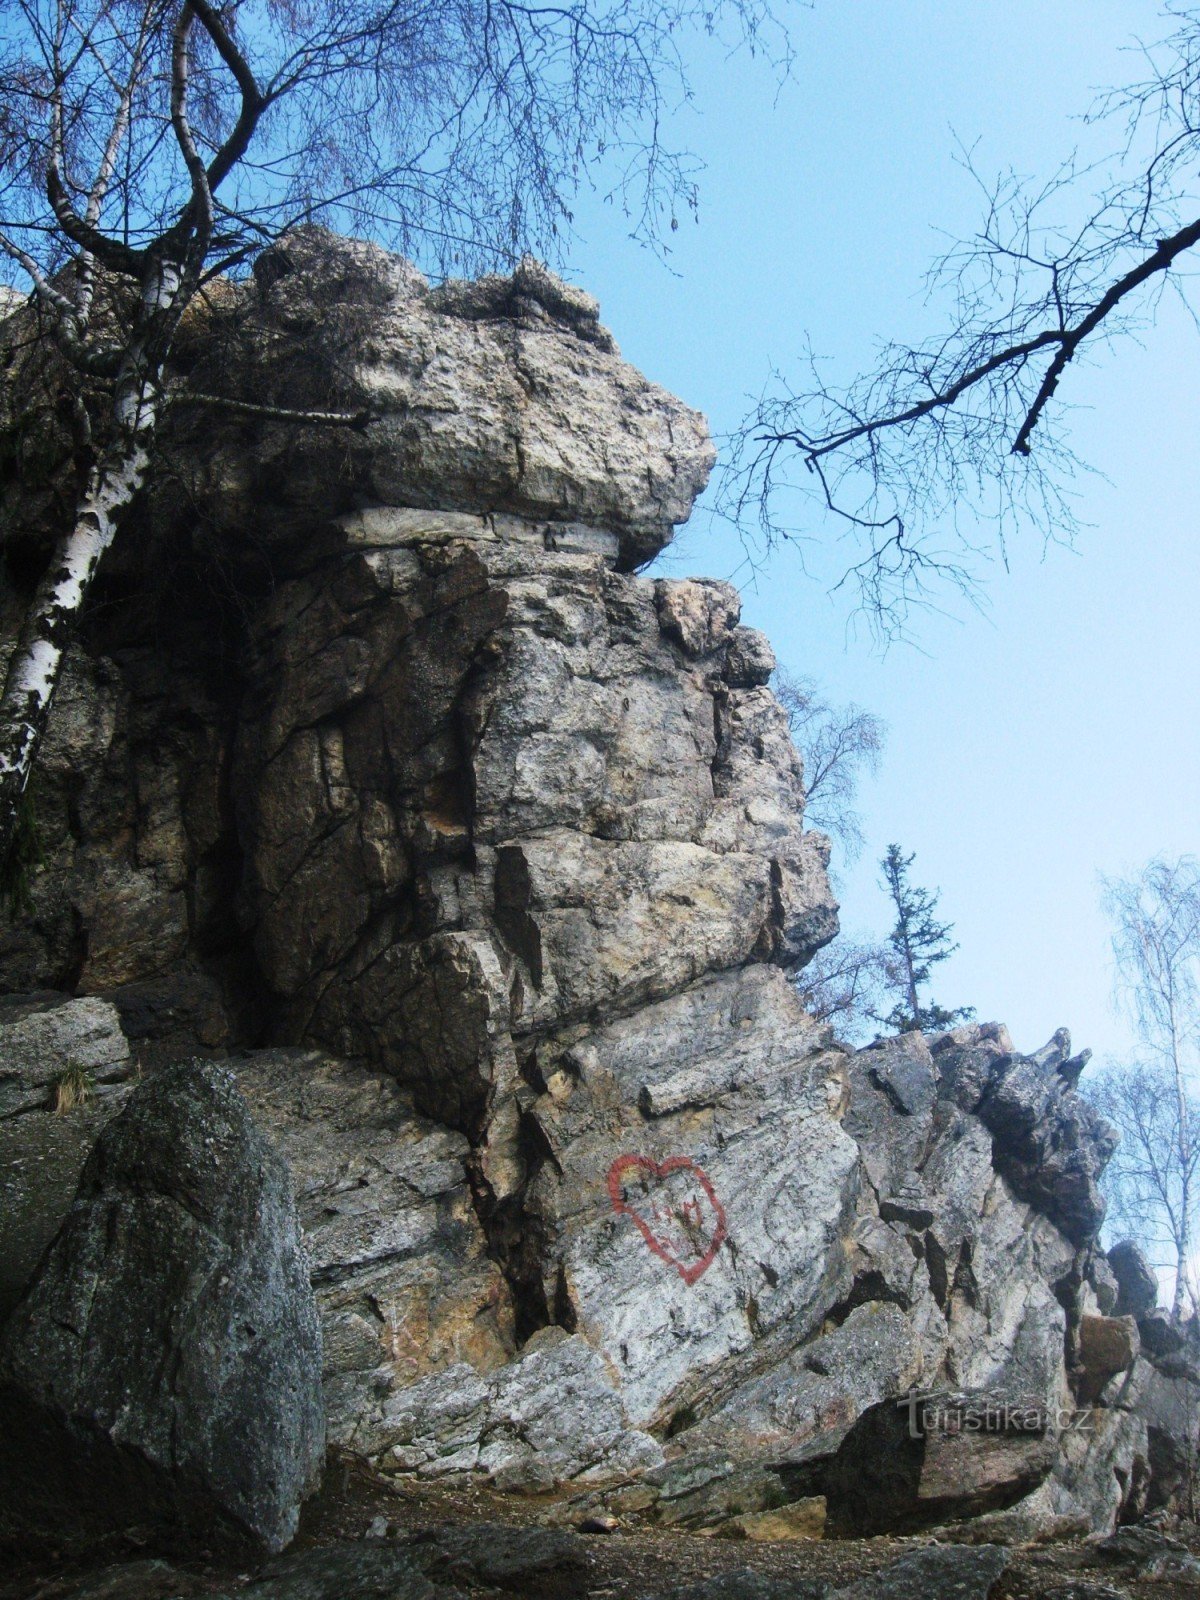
(1156, 942)
(848, 984)
(1152, 1182)
(149, 146)
(838, 744)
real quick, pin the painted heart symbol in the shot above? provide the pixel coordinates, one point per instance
(675, 1207)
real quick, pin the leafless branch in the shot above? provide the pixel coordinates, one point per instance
(245, 408)
(928, 463)
(838, 745)
(1156, 940)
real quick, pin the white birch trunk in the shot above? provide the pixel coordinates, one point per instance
(113, 484)
(36, 663)
(1183, 1253)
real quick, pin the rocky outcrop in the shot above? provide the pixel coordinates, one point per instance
(494, 852)
(505, 396)
(163, 1369)
(579, 818)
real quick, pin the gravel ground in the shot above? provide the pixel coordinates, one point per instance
(359, 1508)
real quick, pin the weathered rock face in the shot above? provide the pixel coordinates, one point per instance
(43, 1047)
(164, 1365)
(523, 807)
(397, 1255)
(504, 397)
(495, 851)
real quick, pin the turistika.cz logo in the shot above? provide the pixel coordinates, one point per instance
(933, 1413)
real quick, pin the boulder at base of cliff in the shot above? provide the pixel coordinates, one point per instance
(163, 1371)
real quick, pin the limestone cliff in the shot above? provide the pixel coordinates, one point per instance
(377, 757)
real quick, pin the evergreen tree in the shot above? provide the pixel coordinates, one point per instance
(920, 941)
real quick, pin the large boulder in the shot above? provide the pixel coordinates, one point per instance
(953, 1572)
(1137, 1283)
(164, 1367)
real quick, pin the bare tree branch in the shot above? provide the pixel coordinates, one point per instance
(1156, 941)
(245, 408)
(838, 744)
(928, 463)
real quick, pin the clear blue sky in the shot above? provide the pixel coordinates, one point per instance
(1053, 737)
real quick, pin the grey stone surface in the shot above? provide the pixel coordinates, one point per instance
(510, 399)
(422, 1370)
(952, 1572)
(1101, 1473)
(692, 1242)
(1162, 1336)
(1050, 1144)
(41, 1157)
(499, 1556)
(915, 1465)
(1148, 1552)
(1137, 1285)
(397, 1254)
(1169, 1404)
(164, 1365)
(579, 817)
(813, 1395)
(507, 399)
(750, 660)
(552, 1415)
(133, 877)
(1103, 1283)
(39, 1043)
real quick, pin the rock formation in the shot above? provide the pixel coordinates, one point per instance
(163, 1369)
(493, 851)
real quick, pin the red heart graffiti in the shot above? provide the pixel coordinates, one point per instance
(685, 1223)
